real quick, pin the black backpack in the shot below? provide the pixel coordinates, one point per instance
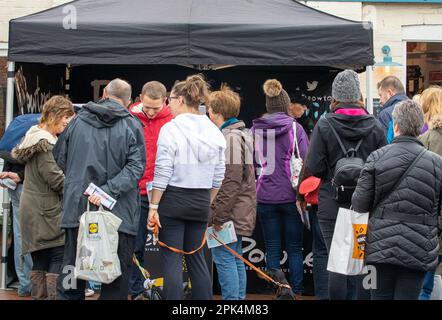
(347, 171)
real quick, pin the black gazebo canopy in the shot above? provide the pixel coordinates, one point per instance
(191, 32)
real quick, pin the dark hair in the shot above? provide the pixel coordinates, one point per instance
(298, 98)
(194, 90)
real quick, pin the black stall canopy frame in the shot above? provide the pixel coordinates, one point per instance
(206, 34)
(190, 32)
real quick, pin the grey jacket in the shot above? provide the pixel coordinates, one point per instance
(103, 144)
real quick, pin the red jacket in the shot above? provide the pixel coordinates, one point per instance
(151, 129)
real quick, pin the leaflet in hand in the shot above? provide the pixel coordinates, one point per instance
(8, 183)
(227, 235)
(106, 200)
(304, 217)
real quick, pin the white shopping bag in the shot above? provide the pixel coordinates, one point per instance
(97, 245)
(347, 250)
(436, 294)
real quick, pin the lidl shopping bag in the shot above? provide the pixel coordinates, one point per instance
(97, 245)
(347, 251)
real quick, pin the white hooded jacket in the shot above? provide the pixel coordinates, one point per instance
(190, 154)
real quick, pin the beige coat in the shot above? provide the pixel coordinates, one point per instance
(40, 202)
(432, 140)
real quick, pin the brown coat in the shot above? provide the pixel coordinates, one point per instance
(236, 200)
(40, 202)
(432, 140)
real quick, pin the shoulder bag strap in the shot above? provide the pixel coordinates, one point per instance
(400, 179)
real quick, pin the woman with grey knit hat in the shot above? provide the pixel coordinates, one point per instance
(353, 125)
(274, 143)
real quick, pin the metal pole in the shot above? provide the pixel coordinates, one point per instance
(6, 206)
(369, 73)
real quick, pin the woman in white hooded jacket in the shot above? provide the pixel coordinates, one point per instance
(189, 170)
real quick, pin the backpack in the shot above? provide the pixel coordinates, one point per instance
(347, 171)
(17, 130)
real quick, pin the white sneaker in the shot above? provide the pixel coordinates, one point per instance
(89, 292)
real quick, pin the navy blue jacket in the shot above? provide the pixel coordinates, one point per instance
(386, 114)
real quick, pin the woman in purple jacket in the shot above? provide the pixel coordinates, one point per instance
(274, 143)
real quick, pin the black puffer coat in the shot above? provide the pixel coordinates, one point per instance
(324, 151)
(402, 229)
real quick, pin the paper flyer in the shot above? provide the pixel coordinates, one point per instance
(106, 200)
(227, 235)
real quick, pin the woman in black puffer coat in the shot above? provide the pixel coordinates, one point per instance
(402, 239)
(352, 124)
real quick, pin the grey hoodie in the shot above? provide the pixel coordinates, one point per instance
(103, 144)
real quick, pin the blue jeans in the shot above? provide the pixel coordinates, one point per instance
(427, 286)
(275, 218)
(320, 257)
(23, 264)
(231, 271)
(136, 280)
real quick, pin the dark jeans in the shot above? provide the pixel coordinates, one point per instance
(320, 257)
(136, 279)
(48, 260)
(274, 218)
(341, 287)
(117, 290)
(397, 283)
(184, 235)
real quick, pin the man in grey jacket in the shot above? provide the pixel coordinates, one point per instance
(103, 144)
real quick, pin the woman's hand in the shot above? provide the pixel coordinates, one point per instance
(153, 219)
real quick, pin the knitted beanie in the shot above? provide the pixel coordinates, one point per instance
(277, 99)
(346, 87)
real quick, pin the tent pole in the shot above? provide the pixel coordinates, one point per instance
(6, 206)
(369, 79)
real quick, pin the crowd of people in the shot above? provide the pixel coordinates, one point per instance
(174, 168)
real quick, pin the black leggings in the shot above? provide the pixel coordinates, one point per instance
(184, 235)
(397, 283)
(48, 260)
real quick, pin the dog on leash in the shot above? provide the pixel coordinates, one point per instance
(281, 293)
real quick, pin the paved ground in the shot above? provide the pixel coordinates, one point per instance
(12, 295)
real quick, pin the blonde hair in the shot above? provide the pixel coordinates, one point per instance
(194, 90)
(431, 100)
(55, 109)
(225, 102)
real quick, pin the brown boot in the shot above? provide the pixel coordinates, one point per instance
(51, 285)
(38, 285)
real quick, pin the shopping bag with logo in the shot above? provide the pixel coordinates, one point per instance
(347, 251)
(295, 161)
(97, 245)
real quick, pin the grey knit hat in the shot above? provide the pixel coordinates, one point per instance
(277, 99)
(346, 87)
